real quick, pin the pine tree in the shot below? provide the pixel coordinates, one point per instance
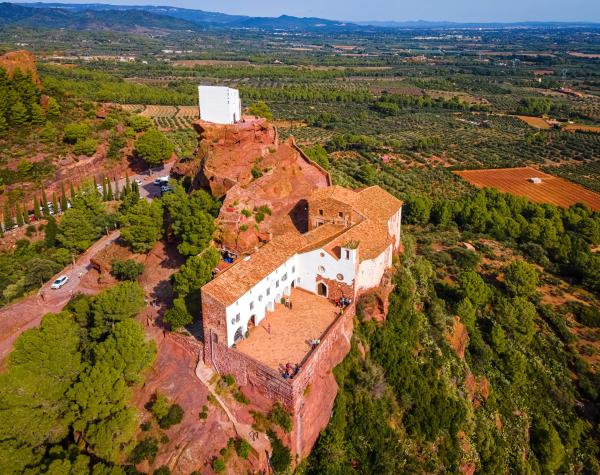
(53, 109)
(37, 115)
(104, 193)
(19, 215)
(36, 208)
(71, 190)
(18, 114)
(54, 203)
(63, 198)
(135, 189)
(8, 219)
(45, 204)
(96, 185)
(109, 193)
(117, 193)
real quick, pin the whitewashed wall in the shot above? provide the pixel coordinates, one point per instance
(371, 271)
(261, 297)
(220, 105)
(322, 263)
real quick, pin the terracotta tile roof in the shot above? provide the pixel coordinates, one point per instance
(235, 281)
(336, 192)
(377, 204)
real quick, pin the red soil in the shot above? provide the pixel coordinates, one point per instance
(552, 190)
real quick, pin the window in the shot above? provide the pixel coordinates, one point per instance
(268, 292)
(322, 254)
(260, 298)
(276, 283)
(321, 269)
(340, 277)
(251, 305)
(233, 321)
(284, 278)
(340, 214)
(321, 212)
(237, 317)
(293, 269)
(347, 254)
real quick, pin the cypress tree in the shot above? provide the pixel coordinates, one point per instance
(117, 193)
(36, 208)
(63, 198)
(71, 190)
(135, 189)
(19, 215)
(109, 192)
(104, 192)
(95, 185)
(25, 215)
(54, 202)
(45, 204)
(127, 188)
(8, 220)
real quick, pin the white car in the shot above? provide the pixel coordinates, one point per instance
(58, 283)
(138, 181)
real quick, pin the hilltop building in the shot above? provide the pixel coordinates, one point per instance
(282, 317)
(219, 105)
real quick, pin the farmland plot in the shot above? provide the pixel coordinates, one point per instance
(552, 190)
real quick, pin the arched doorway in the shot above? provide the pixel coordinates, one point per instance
(239, 335)
(322, 289)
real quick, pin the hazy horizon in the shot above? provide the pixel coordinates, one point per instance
(483, 11)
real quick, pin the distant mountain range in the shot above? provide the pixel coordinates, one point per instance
(96, 16)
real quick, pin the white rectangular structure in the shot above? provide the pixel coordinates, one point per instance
(219, 104)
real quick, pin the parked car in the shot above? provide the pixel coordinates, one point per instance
(58, 283)
(138, 181)
(164, 189)
(163, 180)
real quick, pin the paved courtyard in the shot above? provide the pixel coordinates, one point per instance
(284, 335)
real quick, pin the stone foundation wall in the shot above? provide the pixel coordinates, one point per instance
(250, 372)
(214, 322)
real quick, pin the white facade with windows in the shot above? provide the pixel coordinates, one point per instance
(219, 105)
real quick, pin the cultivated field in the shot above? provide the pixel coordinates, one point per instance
(582, 128)
(552, 190)
(536, 122)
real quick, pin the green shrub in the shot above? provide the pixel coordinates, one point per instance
(280, 457)
(127, 270)
(145, 449)
(281, 417)
(243, 448)
(218, 465)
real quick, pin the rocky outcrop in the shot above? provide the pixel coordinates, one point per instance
(263, 182)
(21, 60)
(458, 337)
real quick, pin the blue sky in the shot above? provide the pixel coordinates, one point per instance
(400, 10)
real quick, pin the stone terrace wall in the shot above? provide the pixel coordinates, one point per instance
(250, 372)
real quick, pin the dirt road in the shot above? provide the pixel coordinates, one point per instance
(28, 312)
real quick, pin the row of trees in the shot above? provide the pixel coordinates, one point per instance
(64, 399)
